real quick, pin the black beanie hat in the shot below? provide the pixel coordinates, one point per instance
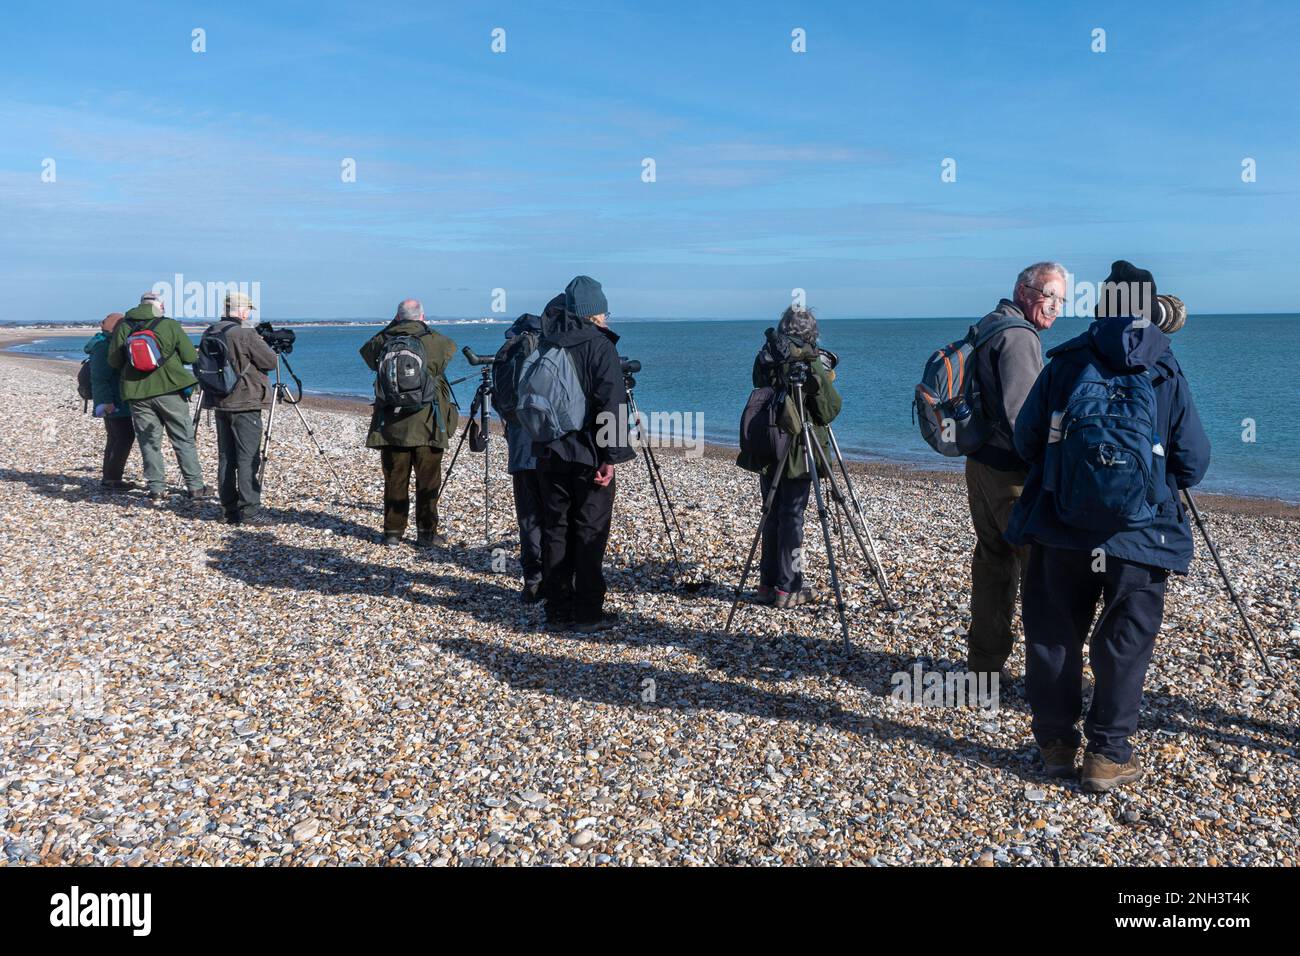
(1127, 291)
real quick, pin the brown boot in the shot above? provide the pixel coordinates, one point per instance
(1058, 758)
(1100, 774)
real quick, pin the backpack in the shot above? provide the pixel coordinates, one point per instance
(143, 350)
(1105, 461)
(551, 402)
(947, 403)
(763, 439)
(403, 380)
(83, 385)
(507, 366)
(214, 370)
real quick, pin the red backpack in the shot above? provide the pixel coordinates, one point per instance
(143, 350)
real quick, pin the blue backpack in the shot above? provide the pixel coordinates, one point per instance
(550, 402)
(1105, 461)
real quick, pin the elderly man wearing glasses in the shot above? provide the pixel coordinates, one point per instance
(1005, 368)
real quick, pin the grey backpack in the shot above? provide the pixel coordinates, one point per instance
(550, 401)
(403, 380)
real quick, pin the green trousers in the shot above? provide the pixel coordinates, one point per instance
(398, 464)
(996, 568)
(171, 414)
(239, 462)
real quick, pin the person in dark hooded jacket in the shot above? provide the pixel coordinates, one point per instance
(576, 470)
(522, 466)
(1071, 567)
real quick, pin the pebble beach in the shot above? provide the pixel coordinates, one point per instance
(180, 691)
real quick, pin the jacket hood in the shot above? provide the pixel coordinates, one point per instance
(563, 328)
(141, 313)
(1006, 307)
(1129, 344)
(406, 327)
(94, 342)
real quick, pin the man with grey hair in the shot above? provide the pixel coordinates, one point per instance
(411, 430)
(1005, 368)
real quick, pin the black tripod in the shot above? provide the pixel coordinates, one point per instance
(478, 423)
(1232, 593)
(816, 460)
(282, 394)
(667, 511)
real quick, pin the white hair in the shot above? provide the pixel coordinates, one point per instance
(1033, 275)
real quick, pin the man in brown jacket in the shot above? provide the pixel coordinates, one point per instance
(238, 412)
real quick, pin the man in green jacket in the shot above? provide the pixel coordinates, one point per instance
(106, 393)
(781, 564)
(238, 413)
(412, 440)
(158, 398)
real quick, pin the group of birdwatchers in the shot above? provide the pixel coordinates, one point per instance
(1073, 482)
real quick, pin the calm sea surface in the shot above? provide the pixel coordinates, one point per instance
(1242, 369)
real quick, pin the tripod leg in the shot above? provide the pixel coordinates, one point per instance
(447, 477)
(877, 569)
(663, 514)
(1223, 573)
(266, 436)
(822, 515)
(338, 482)
(758, 534)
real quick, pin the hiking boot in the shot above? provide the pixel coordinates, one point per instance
(392, 540)
(230, 519)
(1100, 774)
(532, 592)
(765, 595)
(257, 520)
(157, 497)
(785, 599)
(596, 625)
(117, 485)
(1058, 758)
(431, 539)
(560, 625)
(197, 494)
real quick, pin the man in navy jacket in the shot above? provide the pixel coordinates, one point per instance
(1071, 567)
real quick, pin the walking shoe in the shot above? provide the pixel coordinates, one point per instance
(532, 592)
(199, 493)
(1058, 758)
(785, 599)
(560, 625)
(157, 497)
(117, 485)
(230, 519)
(257, 519)
(596, 625)
(1100, 774)
(765, 595)
(431, 539)
(392, 540)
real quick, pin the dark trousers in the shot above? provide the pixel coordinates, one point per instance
(239, 462)
(781, 563)
(398, 463)
(996, 568)
(119, 437)
(528, 512)
(576, 513)
(1060, 599)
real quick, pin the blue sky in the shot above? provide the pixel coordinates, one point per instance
(517, 170)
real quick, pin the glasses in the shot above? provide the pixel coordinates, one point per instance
(1058, 299)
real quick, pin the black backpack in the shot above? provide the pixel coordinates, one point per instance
(506, 368)
(763, 442)
(214, 370)
(402, 379)
(83, 385)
